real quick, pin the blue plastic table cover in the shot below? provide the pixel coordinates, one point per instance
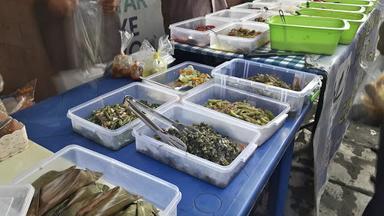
(47, 125)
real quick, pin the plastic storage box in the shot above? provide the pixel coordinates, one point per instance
(184, 32)
(317, 35)
(334, 7)
(191, 164)
(235, 73)
(256, 6)
(221, 41)
(115, 139)
(354, 19)
(231, 15)
(220, 92)
(164, 80)
(15, 199)
(266, 15)
(367, 4)
(163, 195)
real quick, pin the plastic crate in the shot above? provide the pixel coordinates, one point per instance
(116, 139)
(191, 164)
(184, 32)
(165, 196)
(219, 92)
(235, 73)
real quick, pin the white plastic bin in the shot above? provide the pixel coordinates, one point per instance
(184, 32)
(216, 91)
(191, 164)
(221, 41)
(163, 80)
(265, 14)
(165, 196)
(116, 139)
(257, 6)
(231, 15)
(15, 199)
(235, 73)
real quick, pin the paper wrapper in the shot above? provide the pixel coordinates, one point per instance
(13, 138)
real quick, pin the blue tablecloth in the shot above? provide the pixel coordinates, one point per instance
(48, 126)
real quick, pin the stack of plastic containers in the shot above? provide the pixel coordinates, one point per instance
(163, 195)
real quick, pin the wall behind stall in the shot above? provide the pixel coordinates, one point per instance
(22, 54)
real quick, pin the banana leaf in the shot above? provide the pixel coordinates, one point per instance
(139, 208)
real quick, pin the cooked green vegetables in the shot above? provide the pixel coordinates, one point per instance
(270, 80)
(242, 110)
(209, 144)
(115, 116)
(76, 192)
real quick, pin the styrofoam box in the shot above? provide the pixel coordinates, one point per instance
(165, 196)
(184, 32)
(235, 73)
(15, 199)
(221, 41)
(162, 80)
(191, 164)
(256, 6)
(219, 92)
(116, 139)
(231, 15)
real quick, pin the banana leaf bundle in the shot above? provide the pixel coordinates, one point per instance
(75, 192)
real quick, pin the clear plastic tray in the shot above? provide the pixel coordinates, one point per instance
(231, 15)
(184, 32)
(191, 164)
(257, 6)
(265, 14)
(221, 41)
(163, 195)
(234, 73)
(163, 80)
(219, 92)
(116, 139)
(15, 199)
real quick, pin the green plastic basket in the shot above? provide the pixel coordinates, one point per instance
(334, 7)
(354, 19)
(316, 35)
(363, 3)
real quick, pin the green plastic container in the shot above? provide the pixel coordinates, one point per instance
(363, 3)
(354, 19)
(334, 7)
(316, 35)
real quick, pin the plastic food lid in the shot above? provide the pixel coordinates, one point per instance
(15, 199)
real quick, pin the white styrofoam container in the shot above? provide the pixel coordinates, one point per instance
(15, 199)
(165, 196)
(257, 6)
(191, 164)
(220, 92)
(116, 139)
(235, 73)
(231, 15)
(221, 41)
(162, 80)
(184, 32)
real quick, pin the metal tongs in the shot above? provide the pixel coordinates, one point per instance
(141, 110)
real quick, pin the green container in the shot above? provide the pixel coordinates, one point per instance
(354, 19)
(334, 7)
(363, 3)
(318, 35)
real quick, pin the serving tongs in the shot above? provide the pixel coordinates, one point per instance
(141, 110)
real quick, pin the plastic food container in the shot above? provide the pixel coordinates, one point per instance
(191, 164)
(334, 7)
(184, 32)
(231, 15)
(266, 15)
(164, 80)
(222, 92)
(256, 6)
(165, 196)
(221, 41)
(367, 4)
(15, 199)
(317, 35)
(354, 19)
(115, 139)
(235, 73)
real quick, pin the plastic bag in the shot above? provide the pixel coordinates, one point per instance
(20, 99)
(155, 61)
